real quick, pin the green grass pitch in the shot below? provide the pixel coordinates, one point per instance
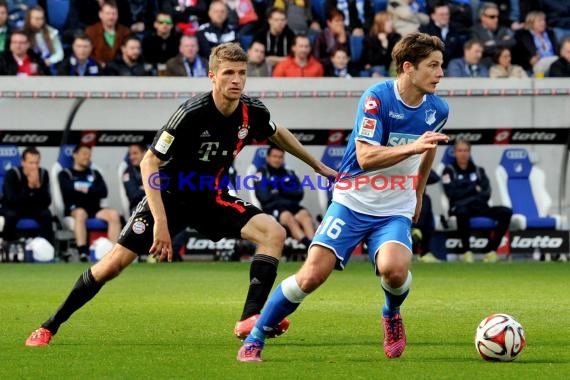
(175, 321)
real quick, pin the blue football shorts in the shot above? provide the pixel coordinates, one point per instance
(342, 229)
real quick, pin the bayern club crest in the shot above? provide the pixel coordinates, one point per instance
(242, 133)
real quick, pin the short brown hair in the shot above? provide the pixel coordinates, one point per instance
(229, 51)
(414, 48)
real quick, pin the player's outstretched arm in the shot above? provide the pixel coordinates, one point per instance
(161, 245)
(287, 141)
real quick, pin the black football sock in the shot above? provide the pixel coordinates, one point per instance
(262, 274)
(84, 290)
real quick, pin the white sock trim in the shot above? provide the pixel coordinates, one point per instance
(398, 291)
(292, 291)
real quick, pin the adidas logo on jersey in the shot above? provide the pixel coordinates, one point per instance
(205, 134)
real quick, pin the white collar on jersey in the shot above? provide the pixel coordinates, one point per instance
(400, 99)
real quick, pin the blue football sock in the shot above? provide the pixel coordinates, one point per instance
(284, 301)
(395, 297)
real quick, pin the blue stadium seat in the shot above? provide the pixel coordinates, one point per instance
(257, 162)
(245, 40)
(522, 187)
(379, 5)
(57, 11)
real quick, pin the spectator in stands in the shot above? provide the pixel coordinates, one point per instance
(406, 16)
(358, 14)
(20, 60)
(440, 25)
(17, 10)
(84, 13)
(242, 16)
(107, 35)
(468, 189)
(536, 46)
(279, 191)
(188, 15)
(132, 177)
(490, 33)
(378, 46)
(300, 63)
(130, 61)
(422, 230)
(561, 67)
(299, 16)
(44, 39)
(277, 37)
(503, 68)
(82, 189)
(256, 64)
(217, 31)
(162, 42)
(333, 36)
(470, 65)
(188, 63)
(4, 28)
(27, 195)
(339, 65)
(80, 63)
(558, 16)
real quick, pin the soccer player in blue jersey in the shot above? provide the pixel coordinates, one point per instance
(377, 194)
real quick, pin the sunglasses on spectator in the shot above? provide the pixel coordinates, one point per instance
(491, 16)
(165, 22)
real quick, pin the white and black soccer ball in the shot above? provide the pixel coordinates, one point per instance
(499, 337)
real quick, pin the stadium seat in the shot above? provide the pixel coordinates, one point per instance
(356, 46)
(65, 161)
(245, 40)
(446, 222)
(57, 11)
(522, 186)
(332, 157)
(379, 5)
(9, 158)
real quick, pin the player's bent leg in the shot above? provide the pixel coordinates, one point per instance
(269, 236)
(113, 263)
(286, 298)
(86, 287)
(393, 262)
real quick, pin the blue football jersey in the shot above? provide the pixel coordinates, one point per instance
(384, 119)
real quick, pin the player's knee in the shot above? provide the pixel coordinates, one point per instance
(276, 234)
(395, 275)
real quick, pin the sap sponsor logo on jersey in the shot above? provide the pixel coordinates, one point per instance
(367, 127)
(395, 139)
(371, 105)
(26, 138)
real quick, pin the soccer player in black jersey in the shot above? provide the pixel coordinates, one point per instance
(183, 176)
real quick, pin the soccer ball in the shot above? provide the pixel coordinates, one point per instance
(499, 337)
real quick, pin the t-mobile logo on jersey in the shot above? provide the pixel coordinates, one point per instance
(207, 149)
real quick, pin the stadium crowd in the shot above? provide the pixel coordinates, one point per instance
(346, 38)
